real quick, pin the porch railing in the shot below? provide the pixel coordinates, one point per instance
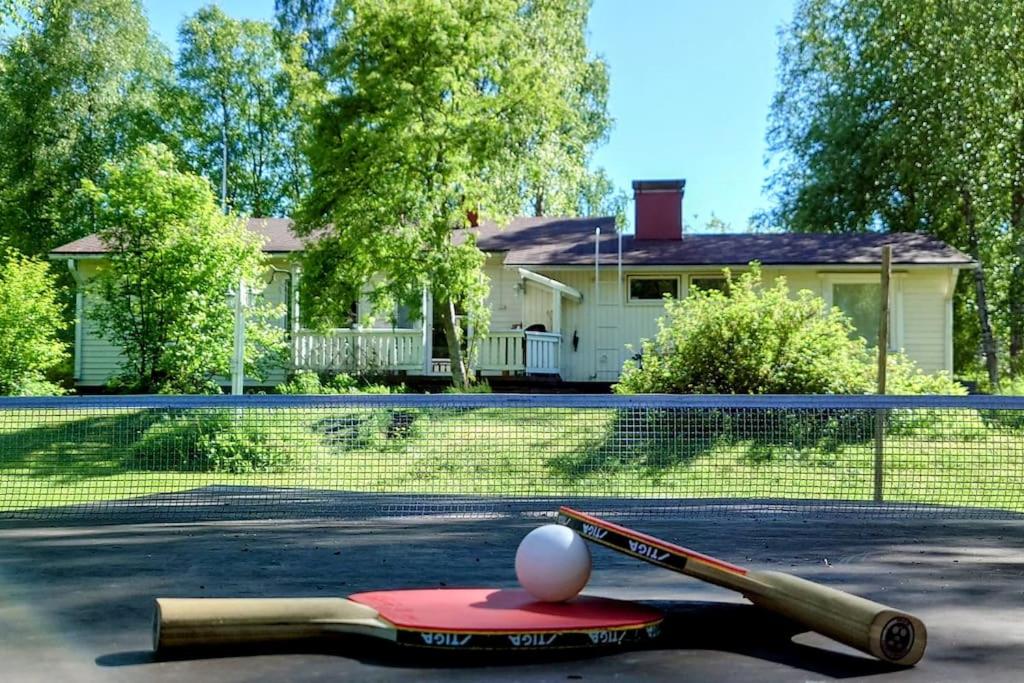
(501, 351)
(542, 353)
(346, 350)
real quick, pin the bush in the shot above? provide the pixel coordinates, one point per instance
(30, 322)
(478, 387)
(904, 377)
(216, 442)
(750, 341)
(307, 382)
(757, 340)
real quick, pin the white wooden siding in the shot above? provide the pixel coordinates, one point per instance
(924, 319)
(504, 300)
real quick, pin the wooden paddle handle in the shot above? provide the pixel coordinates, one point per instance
(201, 622)
(868, 626)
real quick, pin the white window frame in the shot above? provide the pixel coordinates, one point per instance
(829, 280)
(651, 276)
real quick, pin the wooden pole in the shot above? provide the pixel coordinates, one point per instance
(883, 354)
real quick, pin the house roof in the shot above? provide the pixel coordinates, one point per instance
(570, 242)
(545, 241)
(277, 234)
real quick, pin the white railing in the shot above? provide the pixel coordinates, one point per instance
(501, 351)
(543, 353)
(347, 350)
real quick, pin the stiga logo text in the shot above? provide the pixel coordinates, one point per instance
(445, 639)
(607, 637)
(648, 551)
(532, 639)
(593, 531)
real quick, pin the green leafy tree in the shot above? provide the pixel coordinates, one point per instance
(174, 256)
(16, 13)
(310, 23)
(80, 83)
(433, 109)
(906, 115)
(237, 117)
(31, 321)
(575, 120)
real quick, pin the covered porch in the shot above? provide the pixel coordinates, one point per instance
(421, 349)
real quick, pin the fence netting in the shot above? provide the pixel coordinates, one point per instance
(476, 454)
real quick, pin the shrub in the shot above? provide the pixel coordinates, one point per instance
(478, 387)
(30, 322)
(904, 377)
(752, 340)
(757, 340)
(220, 441)
(307, 382)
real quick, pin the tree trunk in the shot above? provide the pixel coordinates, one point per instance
(1015, 293)
(988, 342)
(224, 155)
(460, 373)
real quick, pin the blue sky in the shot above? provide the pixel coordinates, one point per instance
(691, 84)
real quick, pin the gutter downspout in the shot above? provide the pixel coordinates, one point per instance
(597, 292)
(79, 313)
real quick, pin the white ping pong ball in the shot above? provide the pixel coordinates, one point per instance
(553, 563)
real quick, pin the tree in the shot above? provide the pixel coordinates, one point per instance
(310, 23)
(16, 13)
(237, 117)
(174, 256)
(31, 321)
(80, 83)
(433, 108)
(576, 120)
(907, 116)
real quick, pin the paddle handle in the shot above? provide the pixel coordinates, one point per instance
(207, 622)
(888, 634)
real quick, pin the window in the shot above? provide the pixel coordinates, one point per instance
(862, 302)
(710, 282)
(403, 317)
(652, 287)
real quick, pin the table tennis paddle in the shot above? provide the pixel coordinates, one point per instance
(450, 618)
(884, 632)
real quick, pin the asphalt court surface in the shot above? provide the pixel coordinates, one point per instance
(76, 595)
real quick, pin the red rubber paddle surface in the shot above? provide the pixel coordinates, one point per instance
(499, 611)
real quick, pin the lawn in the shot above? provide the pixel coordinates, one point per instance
(964, 458)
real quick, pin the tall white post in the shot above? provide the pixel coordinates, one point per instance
(238, 358)
(556, 322)
(597, 294)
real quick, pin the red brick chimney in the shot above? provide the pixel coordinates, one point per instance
(659, 209)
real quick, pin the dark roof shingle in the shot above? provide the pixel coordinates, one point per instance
(570, 242)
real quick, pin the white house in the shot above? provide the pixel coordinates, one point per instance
(569, 296)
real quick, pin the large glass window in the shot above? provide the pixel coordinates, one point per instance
(652, 288)
(710, 282)
(862, 302)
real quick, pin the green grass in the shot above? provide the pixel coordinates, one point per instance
(967, 459)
